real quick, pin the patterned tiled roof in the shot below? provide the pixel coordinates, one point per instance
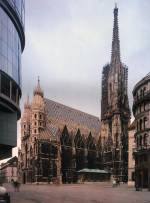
(60, 115)
(49, 133)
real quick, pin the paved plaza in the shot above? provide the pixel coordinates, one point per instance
(83, 193)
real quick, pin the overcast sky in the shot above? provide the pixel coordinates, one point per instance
(69, 41)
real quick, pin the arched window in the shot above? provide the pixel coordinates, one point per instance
(137, 142)
(140, 141)
(144, 91)
(40, 116)
(137, 126)
(141, 93)
(144, 106)
(66, 138)
(140, 124)
(145, 119)
(140, 108)
(78, 140)
(35, 131)
(117, 141)
(145, 140)
(35, 115)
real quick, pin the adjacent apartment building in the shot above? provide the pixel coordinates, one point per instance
(141, 111)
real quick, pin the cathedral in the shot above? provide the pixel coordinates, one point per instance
(115, 112)
(57, 140)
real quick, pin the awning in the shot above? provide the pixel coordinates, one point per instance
(87, 170)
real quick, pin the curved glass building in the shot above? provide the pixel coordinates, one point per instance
(12, 42)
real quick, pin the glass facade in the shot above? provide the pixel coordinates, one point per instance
(10, 48)
(19, 7)
(12, 42)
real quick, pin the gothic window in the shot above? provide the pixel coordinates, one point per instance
(31, 151)
(140, 124)
(45, 148)
(40, 116)
(35, 123)
(145, 119)
(90, 142)
(140, 108)
(141, 93)
(117, 142)
(140, 140)
(144, 91)
(35, 131)
(144, 106)
(24, 126)
(79, 140)
(137, 141)
(35, 116)
(53, 151)
(145, 140)
(137, 125)
(91, 151)
(65, 138)
(34, 148)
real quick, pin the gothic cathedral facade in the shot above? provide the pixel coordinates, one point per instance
(57, 141)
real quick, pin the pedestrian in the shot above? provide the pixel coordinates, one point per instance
(16, 185)
(114, 182)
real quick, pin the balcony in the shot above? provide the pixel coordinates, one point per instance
(140, 99)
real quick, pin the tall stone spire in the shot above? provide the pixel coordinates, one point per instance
(115, 52)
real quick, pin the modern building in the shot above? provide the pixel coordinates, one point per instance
(141, 111)
(131, 158)
(115, 112)
(12, 42)
(9, 170)
(56, 141)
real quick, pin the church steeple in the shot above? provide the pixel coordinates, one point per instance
(115, 52)
(38, 90)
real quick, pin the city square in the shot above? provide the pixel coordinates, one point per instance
(81, 193)
(74, 101)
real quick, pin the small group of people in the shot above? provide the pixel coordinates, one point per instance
(116, 182)
(16, 185)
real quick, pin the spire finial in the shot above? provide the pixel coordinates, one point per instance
(38, 89)
(27, 103)
(115, 55)
(28, 98)
(38, 80)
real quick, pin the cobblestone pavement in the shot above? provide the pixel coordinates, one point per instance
(84, 193)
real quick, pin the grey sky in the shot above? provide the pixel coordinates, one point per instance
(69, 41)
